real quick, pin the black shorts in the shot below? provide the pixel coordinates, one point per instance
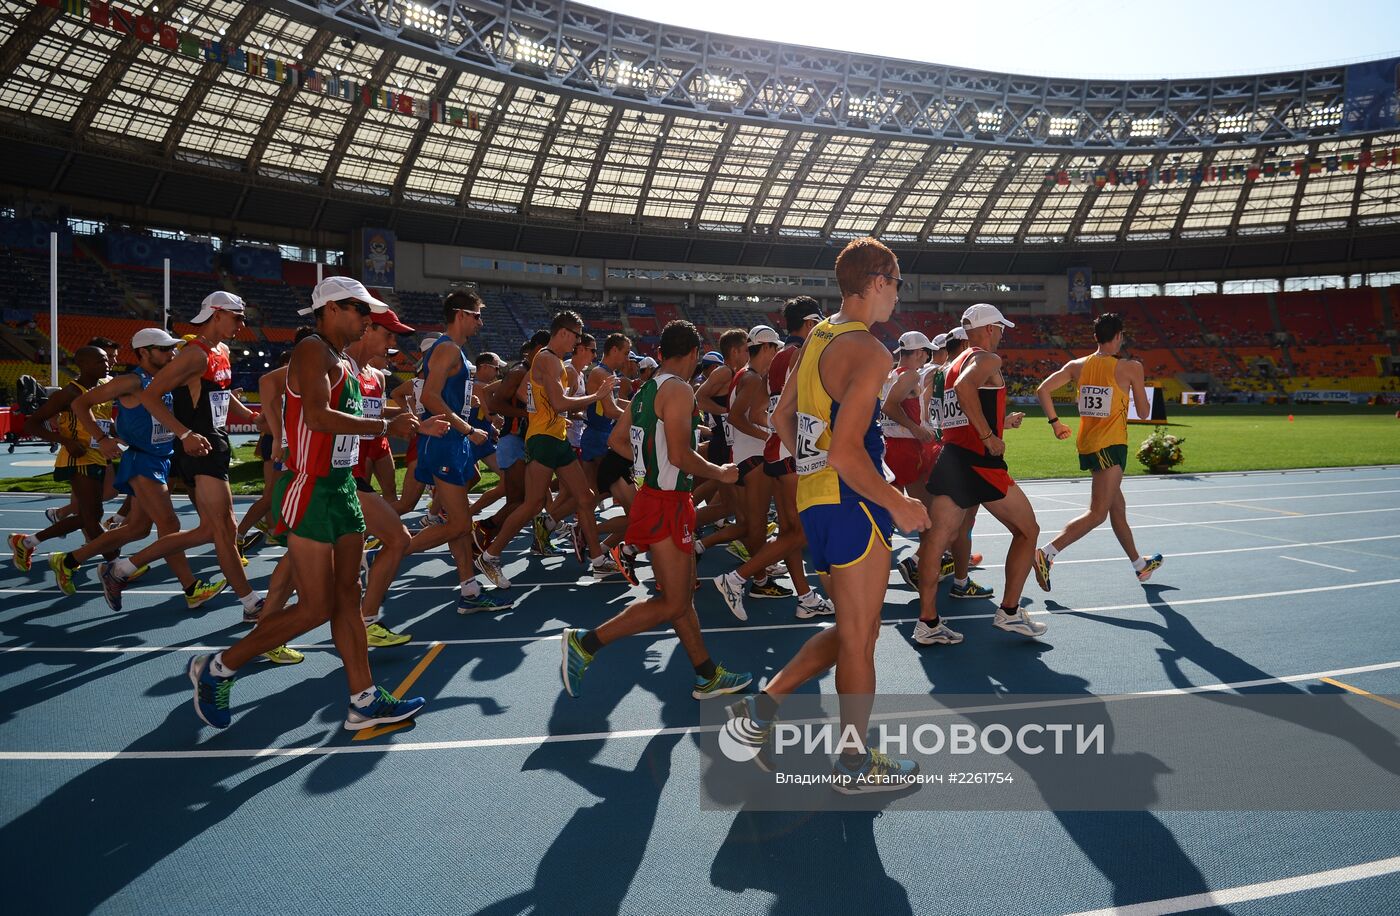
(967, 478)
(91, 471)
(265, 446)
(780, 468)
(612, 468)
(363, 485)
(717, 451)
(214, 464)
(748, 465)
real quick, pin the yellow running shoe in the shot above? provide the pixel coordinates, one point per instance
(381, 636)
(242, 559)
(62, 574)
(283, 655)
(373, 543)
(23, 555)
(140, 571)
(203, 591)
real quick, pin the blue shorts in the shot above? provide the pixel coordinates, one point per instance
(593, 444)
(446, 459)
(845, 533)
(487, 448)
(509, 450)
(136, 463)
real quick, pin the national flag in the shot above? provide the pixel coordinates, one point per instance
(99, 12)
(1331, 163)
(1365, 160)
(169, 39)
(473, 121)
(214, 50)
(292, 74)
(1348, 162)
(404, 104)
(313, 81)
(189, 46)
(366, 96)
(146, 29)
(123, 21)
(1314, 166)
(241, 60)
(422, 108)
(1251, 173)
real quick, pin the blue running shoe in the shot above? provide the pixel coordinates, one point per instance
(210, 692)
(747, 733)
(1154, 563)
(575, 661)
(481, 601)
(724, 682)
(970, 590)
(385, 710)
(877, 773)
(112, 588)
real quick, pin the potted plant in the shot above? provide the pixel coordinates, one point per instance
(1161, 451)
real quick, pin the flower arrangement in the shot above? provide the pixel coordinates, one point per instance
(1161, 451)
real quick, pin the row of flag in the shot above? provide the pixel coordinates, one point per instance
(106, 15)
(1238, 172)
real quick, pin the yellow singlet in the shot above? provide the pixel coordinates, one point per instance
(1103, 406)
(817, 483)
(66, 424)
(543, 419)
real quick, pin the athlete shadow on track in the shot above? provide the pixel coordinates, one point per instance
(1153, 865)
(84, 843)
(1186, 643)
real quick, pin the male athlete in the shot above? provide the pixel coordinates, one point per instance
(1104, 382)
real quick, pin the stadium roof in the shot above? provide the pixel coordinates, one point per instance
(525, 124)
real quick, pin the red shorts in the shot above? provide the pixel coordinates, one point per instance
(412, 454)
(371, 450)
(909, 459)
(660, 514)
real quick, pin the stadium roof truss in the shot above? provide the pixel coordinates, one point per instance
(587, 118)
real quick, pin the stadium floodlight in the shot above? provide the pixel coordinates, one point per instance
(1235, 123)
(1148, 128)
(422, 18)
(715, 88)
(633, 76)
(870, 108)
(527, 51)
(1328, 116)
(1064, 126)
(989, 122)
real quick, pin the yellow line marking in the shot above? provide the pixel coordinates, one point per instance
(399, 691)
(1359, 692)
(1260, 508)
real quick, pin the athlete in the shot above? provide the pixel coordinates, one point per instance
(1105, 381)
(315, 506)
(508, 404)
(828, 419)
(712, 396)
(663, 420)
(142, 471)
(198, 378)
(971, 472)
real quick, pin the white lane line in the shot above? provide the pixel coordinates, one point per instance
(326, 750)
(1247, 499)
(1315, 563)
(1202, 524)
(1156, 484)
(1260, 891)
(803, 625)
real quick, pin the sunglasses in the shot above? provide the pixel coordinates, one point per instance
(361, 308)
(897, 281)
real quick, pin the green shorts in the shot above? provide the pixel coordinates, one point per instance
(1104, 458)
(549, 451)
(68, 472)
(323, 509)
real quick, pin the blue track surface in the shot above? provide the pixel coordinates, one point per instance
(509, 797)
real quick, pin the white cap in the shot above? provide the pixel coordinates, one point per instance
(219, 301)
(914, 340)
(153, 337)
(333, 289)
(940, 341)
(763, 334)
(427, 344)
(647, 363)
(955, 334)
(982, 314)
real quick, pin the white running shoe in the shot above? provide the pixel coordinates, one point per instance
(940, 635)
(814, 605)
(491, 568)
(1018, 621)
(733, 597)
(603, 567)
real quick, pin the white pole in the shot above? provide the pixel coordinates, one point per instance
(53, 309)
(318, 271)
(165, 314)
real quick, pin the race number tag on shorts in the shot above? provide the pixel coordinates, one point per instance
(1095, 401)
(218, 408)
(639, 461)
(159, 433)
(374, 409)
(950, 412)
(810, 459)
(346, 453)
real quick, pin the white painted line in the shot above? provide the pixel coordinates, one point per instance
(976, 533)
(328, 750)
(1230, 502)
(668, 634)
(1315, 563)
(1260, 891)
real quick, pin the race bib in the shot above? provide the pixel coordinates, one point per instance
(639, 463)
(810, 458)
(1095, 401)
(530, 397)
(106, 427)
(418, 393)
(346, 453)
(773, 403)
(950, 412)
(373, 408)
(159, 434)
(218, 408)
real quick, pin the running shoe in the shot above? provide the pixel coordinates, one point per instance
(242, 559)
(203, 591)
(700, 548)
(975, 559)
(970, 590)
(747, 730)
(381, 637)
(52, 515)
(769, 589)
(733, 597)
(373, 543)
(543, 545)
(814, 605)
(480, 539)
(62, 574)
(909, 571)
(603, 566)
(579, 541)
(1154, 563)
(385, 710)
(738, 551)
(210, 692)
(724, 682)
(251, 616)
(491, 568)
(112, 590)
(626, 564)
(777, 569)
(939, 635)
(946, 567)
(250, 541)
(475, 604)
(284, 655)
(24, 556)
(367, 558)
(772, 528)
(112, 521)
(877, 773)
(1018, 621)
(575, 660)
(140, 571)
(1041, 567)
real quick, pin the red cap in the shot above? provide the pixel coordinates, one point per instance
(387, 319)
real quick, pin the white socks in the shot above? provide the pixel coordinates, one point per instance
(123, 568)
(217, 666)
(1050, 552)
(471, 589)
(364, 698)
(31, 541)
(1139, 563)
(960, 583)
(250, 600)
